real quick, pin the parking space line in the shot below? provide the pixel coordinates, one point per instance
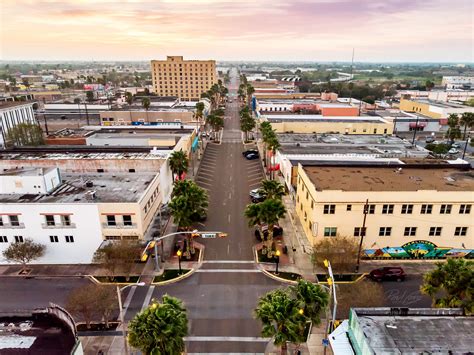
(148, 296)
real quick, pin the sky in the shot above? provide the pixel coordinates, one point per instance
(286, 30)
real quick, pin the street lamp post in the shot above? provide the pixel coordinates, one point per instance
(122, 316)
(332, 292)
(277, 257)
(179, 253)
(468, 139)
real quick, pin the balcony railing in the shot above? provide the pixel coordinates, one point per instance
(58, 226)
(119, 225)
(12, 226)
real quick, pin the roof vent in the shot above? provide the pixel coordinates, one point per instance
(91, 195)
(89, 183)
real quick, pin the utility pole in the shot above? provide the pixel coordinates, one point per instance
(87, 113)
(45, 123)
(362, 234)
(468, 139)
(414, 131)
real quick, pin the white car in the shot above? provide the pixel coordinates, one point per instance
(455, 145)
(453, 151)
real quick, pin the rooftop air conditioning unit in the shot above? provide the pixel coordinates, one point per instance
(89, 183)
(91, 195)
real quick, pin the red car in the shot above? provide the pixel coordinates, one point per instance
(388, 273)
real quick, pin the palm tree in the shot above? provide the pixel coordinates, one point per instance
(451, 284)
(188, 204)
(313, 299)
(199, 111)
(453, 131)
(273, 145)
(146, 105)
(247, 123)
(161, 328)
(271, 212)
(128, 97)
(282, 318)
(178, 162)
(253, 213)
(467, 120)
(217, 122)
(250, 91)
(272, 189)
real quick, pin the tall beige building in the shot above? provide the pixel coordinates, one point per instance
(186, 79)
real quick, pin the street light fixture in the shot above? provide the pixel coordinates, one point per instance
(179, 253)
(277, 256)
(122, 317)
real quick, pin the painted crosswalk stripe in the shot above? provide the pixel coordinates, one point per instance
(129, 297)
(147, 300)
(228, 261)
(237, 339)
(229, 270)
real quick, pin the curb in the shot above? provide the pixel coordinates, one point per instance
(176, 279)
(361, 277)
(280, 279)
(94, 280)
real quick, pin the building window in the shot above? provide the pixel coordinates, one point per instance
(409, 231)
(349, 208)
(435, 231)
(14, 221)
(312, 204)
(100, 170)
(69, 238)
(50, 220)
(407, 209)
(130, 237)
(385, 231)
(329, 209)
(370, 209)
(1, 221)
(54, 238)
(112, 237)
(127, 220)
(66, 220)
(426, 209)
(464, 209)
(387, 209)
(18, 239)
(460, 231)
(111, 220)
(3, 239)
(360, 231)
(307, 195)
(301, 206)
(445, 209)
(330, 231)
(131, 170)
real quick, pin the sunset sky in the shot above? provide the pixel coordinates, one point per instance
(380, 30)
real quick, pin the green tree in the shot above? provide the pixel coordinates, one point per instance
(216, 122)
(273, 189)
(247, 124)
(93, 302)
(128, 97)
(440, 148)
(160, 329)
(467, 120)
(451, 284)
(199, 111)
(282, 318)
(341, 251)
(90, 96)
(253, 213)
(179, 163)
(118, 257)
(188, 203)
(454, 130)
(146, 105)
(25, 252)
(271, 212)
(25, 134)
(273, 145)
(312, 299)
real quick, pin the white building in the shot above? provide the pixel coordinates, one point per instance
(73, 213)
(12, 113)
(458, 82)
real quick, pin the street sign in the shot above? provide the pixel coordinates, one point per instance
(208, 235)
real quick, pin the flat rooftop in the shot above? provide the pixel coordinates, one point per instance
(380, 145)
(109, 187)
(26, 172)
(11, 104)
(422, 333)
(442, 104)
(37, 334)
(389, 179)
(82, 156)
(320, 118)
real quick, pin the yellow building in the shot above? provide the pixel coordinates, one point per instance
(407, 208)
(294, 123)
(432, 108)
(186, 79)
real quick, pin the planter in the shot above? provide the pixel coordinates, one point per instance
(339, 277)
(170, 274)
(96, 327)
(291, 276)
(118, 279)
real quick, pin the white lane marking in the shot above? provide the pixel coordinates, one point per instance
(230, 197)
(255, 184)
(228, 261)
(238, 339)
(129, 298)
(229, 270)
(225, 353)
(203, 178)
(202, 183)
(206, 174)
(228, 218)
(146, 302)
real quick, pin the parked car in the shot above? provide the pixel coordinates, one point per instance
(250, 151)
(252, 156)
(453, 151)
(256, 195)
(430, 139)
(455, 145)
(388, 273)
(277, 232)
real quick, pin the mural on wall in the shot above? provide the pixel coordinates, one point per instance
(419, 249)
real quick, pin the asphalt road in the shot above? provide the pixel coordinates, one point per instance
(406, 293)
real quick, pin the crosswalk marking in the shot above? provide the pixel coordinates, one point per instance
(228, 270)
(238, 339)
(228, 261)
(147, 300)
